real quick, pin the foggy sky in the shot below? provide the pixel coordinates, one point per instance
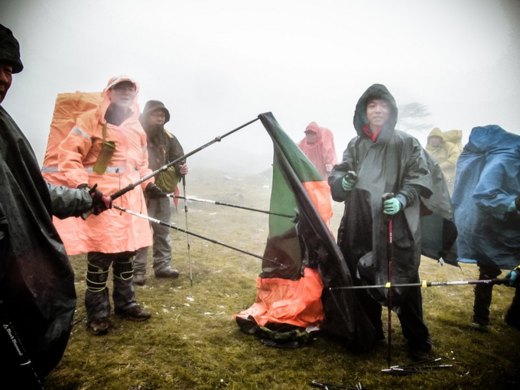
(218, 64)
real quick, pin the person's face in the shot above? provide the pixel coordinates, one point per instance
(122, 94)
(310, 136)
(435, 141)
(157, 118)
(6, 77)
(378, 112)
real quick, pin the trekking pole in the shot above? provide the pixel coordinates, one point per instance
(424, 283)
(131, 186)
(170, 225)
(229, 205)
(187, 229)
(390, 255)
(24, 361)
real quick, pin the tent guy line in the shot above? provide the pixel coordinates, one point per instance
(229, 205)
(170, 225)
(424, 283)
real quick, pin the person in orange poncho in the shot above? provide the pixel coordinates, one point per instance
(318, 146)
(107, 148)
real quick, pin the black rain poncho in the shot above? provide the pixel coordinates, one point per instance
(394, 163)
(36, 279)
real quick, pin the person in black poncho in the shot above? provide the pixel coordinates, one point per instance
(37, 295)
(384, 160)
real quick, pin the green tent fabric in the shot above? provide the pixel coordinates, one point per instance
(306, 242)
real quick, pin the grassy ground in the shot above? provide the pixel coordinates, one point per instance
(192, 341)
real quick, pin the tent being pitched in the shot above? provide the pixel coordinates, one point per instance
(296, 292)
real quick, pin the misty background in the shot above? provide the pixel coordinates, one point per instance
(218, 64)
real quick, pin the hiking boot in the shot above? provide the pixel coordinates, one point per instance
(98, 327)
(167, 273)
(139, 280)
(479, 327)
(135, 313)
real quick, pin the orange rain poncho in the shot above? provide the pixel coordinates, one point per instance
(322, 152)
(112, 231)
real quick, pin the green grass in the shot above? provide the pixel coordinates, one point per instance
(192, 341)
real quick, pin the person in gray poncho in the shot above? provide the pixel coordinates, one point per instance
(384, 160)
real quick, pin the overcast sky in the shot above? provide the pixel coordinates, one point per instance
(218, 64)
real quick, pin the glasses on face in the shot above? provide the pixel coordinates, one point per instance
(160, 115)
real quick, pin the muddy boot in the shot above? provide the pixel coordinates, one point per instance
(98, 327)
(135, 313)
(139, 280)
(167, 273)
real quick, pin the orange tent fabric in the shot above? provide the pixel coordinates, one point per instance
(71, 165)
(284, 301)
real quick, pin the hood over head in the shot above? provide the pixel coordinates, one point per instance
(436, 132)
(10, 49)
(313, 126)
(105, 102)
(492, 139)
(151, 106)
(376, 91)
(453, 136)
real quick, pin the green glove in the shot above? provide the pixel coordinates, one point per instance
(511, 207)
(513, 276)
(347, 184)
(392, 206)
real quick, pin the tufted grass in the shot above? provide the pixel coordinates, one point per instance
(192, 341)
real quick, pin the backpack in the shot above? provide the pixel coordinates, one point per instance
(68, 107)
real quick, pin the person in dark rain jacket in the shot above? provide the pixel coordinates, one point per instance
(385, 160)
(37, 294)
(163, 147)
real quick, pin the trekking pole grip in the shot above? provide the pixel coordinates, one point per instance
(385, 197)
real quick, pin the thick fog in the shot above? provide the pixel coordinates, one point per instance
(218, 64)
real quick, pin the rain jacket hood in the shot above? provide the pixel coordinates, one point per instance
(151, 106)
(436, 133)
(10, 50)
(313, 126)
(105, 100)
(376, 91)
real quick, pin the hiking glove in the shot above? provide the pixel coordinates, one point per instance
(154, 192)
(100, 202)
(349, 181)
(511, 207)
(392, 206)
(513, 276)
